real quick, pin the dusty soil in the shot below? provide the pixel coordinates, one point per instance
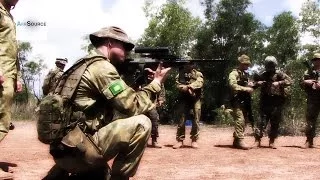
(215, 159)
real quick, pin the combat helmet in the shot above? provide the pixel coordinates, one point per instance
(271, 59)
(63, 61)
(316, 56)
(244, 59)
(113, 33)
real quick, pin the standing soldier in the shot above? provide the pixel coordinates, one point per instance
(273, 94)
(190, 85)
(241, 90)
(158, 100)
(9, 69)
(52, 78)
(311, 85)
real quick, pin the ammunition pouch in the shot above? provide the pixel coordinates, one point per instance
(77, 152)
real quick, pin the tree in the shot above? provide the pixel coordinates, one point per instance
(310, 25)
(229, 31)
(87, 46)
(172, 25)
(33, 73)
(30, 72)
(310, 18)
(24, 48)
(283, 38)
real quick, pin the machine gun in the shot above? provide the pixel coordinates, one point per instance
(150, 57)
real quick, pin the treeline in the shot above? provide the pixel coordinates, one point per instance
(227, 30)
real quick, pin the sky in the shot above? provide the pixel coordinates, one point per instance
(66, 22)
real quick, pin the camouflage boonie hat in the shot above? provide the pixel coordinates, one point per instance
(271, 59)
(244, 59)
(316, 56)
(63, 61)
(113, 33)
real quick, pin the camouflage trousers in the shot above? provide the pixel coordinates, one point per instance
(183, 110)
(240, 117)
(313, 109)
(123, 139)
(6, 100)
(270, 111)
(154, 117)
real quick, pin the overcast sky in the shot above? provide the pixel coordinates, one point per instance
(67, 21)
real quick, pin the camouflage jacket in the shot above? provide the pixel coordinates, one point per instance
(238, 81)
(268, 90)
(102, 92)
(194, 79)
(156, 97)
(313, 94)
(9, 64)
(51, 80)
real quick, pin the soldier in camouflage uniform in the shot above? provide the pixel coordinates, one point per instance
(273, 94)
(311, 85)
(52, 78)
(158, 100)
(9, 69)
(102, 91)
(241, 90)
(190, 85)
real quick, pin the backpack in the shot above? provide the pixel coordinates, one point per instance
(55, 116)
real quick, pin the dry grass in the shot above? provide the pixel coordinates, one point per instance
(24, 111)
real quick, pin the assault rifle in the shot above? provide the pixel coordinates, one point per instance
(312, 72)
(150, 57)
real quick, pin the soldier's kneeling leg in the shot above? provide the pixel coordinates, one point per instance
(125, 139)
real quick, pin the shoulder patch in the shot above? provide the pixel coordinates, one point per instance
(116, 87)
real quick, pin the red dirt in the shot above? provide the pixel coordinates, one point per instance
(215, 159)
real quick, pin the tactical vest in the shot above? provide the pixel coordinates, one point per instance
(56, 117)
(240, 97)
(269, 90)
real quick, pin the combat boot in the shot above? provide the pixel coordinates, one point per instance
(155, 144)
(56, 173)
(309, 143)
(194, 144)
(239, 144)
(11, 126)
(178, 145)
(272, 144)
(5, 175)
(118, 177)
(256, 144)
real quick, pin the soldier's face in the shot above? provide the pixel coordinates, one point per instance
(270, 67)
(188, 67)
(316, 62)
(244, 66)
(117, 51)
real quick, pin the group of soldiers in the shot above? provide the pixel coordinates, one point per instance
(274, 90)
(99, 93)
(190, 86)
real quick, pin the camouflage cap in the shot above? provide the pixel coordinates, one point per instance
(63, 61)
(113, 33)
(244, 59)
(271, 59)
(316, 56)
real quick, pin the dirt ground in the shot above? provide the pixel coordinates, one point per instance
(215, 159)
